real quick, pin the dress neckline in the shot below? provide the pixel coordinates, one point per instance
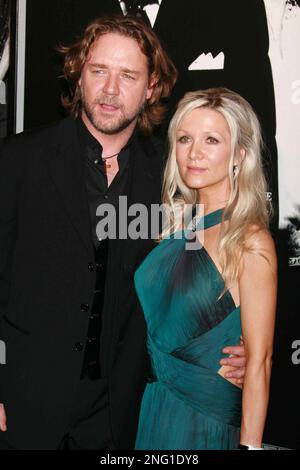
(209, 220)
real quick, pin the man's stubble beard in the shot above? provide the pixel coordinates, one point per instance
(116, 125)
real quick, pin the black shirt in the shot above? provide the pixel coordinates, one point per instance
(98, 191)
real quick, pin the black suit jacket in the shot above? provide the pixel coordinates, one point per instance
(46, 261)
(191, 28)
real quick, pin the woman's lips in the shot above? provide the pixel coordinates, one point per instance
(196, 169)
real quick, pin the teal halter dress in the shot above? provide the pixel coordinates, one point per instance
(187, 405)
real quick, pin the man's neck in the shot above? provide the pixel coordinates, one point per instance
(111, 144)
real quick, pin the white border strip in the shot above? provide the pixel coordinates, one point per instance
(20, 65)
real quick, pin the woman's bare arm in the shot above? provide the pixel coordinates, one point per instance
(258, 288)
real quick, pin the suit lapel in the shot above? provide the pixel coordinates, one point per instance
(144, 173)
(143, 186)
(67, 171)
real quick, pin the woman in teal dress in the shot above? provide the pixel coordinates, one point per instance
(209, 282)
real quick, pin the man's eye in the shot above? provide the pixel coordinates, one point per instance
(98, 71)
(212, 140)
(127, 76)
(183, 139)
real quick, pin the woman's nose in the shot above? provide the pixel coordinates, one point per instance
(196, 152)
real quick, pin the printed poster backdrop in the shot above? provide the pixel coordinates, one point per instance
(251, 47)
(4, 61)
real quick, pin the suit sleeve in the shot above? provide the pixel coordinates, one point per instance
(10, 172)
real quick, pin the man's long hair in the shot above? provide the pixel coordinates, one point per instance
(160, 66)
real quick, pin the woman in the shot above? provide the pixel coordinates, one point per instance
(196, 301)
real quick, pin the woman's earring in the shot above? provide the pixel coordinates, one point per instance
(235, 170)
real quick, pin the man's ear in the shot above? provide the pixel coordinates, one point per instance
(151, 85)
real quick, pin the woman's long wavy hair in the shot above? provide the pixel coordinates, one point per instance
(160, 66)
(247, 205)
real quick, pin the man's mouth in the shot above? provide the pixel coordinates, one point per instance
(109, 108)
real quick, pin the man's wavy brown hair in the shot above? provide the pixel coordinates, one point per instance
(160, 66)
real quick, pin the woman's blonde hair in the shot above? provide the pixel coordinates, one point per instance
(247, 206)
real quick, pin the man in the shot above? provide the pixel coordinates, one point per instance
(211, 43)
(74, 331)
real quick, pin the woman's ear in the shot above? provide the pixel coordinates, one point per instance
(242, 154)
(239, 157)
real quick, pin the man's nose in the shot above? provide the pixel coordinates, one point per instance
(111, 85)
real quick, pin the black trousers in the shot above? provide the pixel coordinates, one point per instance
(89, 425)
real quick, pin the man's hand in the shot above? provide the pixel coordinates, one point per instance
(3, 427)
(236, 359)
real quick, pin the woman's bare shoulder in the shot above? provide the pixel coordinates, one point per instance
(258, 243)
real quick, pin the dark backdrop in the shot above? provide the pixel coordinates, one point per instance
(187, 29)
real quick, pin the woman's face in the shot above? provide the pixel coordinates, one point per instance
(203, 149)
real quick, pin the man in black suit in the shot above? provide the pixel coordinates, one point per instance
(75, 335)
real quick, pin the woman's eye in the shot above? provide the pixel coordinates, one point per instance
(212, 140)
(183, 139)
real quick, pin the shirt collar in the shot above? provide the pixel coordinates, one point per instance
(88, 141)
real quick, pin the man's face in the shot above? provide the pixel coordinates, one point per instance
(114, 83)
